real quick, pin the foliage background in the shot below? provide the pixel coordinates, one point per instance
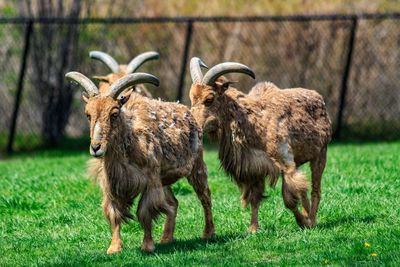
(290, 54)
(107, 8)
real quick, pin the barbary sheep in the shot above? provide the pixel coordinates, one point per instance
(263, 134)
(145, 146)
(118, 71)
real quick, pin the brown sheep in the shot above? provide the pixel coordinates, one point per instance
(119, 71)
(145, 146)
(265, 133)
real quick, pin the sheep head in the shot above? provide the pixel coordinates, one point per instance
(133, 65)
(103, 109)
(107, 80)
(118, 70)
(206, 92)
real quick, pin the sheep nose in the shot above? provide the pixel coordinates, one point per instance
(95, 147)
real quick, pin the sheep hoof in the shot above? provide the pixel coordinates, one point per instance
(253, 228)
(114, 248)
(166, 240)
(306, 224)
(313, 222)
(208, 234)
(148, 247)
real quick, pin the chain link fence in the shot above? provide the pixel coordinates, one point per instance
(353, 61)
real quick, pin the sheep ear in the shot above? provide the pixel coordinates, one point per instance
(223, 86)
(85, 98)
(124, 97)
(102, 78)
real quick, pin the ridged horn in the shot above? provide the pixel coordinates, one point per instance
(87, 85)
(108, 60)
(223, 68)
(130, 80)
(138, 61)
(195, 69)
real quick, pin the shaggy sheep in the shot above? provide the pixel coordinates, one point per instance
(118, 71)
(145, 146)
(264, 134)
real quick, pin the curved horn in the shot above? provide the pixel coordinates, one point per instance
(88, 86)
(228, 67)
(129, 80)
(138, 61)
(195, 69)
(106, 59)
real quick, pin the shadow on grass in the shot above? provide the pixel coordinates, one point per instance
(99, 257)
(196, 243)
(347, 220)
(66, 147)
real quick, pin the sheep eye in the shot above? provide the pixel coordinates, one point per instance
(209, 101)
(114, 115)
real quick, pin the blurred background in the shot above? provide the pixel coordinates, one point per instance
(351, 56)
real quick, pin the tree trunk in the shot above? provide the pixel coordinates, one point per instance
(51, 57)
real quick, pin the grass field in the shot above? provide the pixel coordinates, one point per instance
(51, 215)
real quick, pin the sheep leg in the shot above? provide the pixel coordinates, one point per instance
(255, 196)
(254, 226)
(198, 180)
(169, 226)
(116, 242)
(111, 214)
(317, 168)
(294, 185)
(305, 203)
(151, 204)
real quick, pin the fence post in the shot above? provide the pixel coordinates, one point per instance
(345, 78)
(188, 40)
(20, 85)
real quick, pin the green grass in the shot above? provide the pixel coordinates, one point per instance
(50, 215)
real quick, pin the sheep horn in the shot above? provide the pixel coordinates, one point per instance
(108, 60)
(138, 61)
(130, 80)
(195, 69)
(228, 67)
(88, 86)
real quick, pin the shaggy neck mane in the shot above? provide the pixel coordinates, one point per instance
(121, 140)
(238, 117)
(238, 134)
(122, 176)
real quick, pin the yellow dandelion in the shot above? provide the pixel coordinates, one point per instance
(367, 245)
(374, 254)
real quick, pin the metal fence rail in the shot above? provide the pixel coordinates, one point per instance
(352, 60)
(185, 19)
